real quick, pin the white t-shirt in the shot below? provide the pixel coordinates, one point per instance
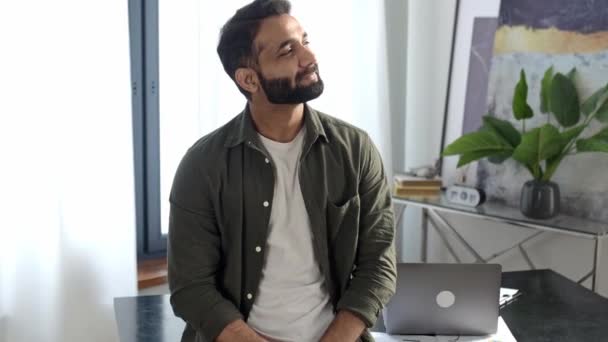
(292, 304)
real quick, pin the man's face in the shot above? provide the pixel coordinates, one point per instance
(287, 68)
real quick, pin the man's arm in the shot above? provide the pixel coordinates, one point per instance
(346, 326)
(239, 331)
(193, 254)
(375, 276)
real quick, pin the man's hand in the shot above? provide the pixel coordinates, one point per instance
(346, 327)
(239, 331)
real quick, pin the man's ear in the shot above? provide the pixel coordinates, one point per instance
(247, 79)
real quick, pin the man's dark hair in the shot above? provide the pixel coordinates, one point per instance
(235, 46)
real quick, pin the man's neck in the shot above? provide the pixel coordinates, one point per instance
(280, 123)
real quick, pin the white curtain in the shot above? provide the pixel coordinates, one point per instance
(360, 46)
(67, 223)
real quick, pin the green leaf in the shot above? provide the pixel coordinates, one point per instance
(563, 100)
(521, 108)
(544, 90)
(597, 102)
(568, 135)
(537, 145)
(552, 165)
(572, 74)
(566, 138)
(603, 134)
(591, 103)
(602, 113)
(571, 133)
(592, 145)
(473, 156)
(596, 143)
(477, 141)
(500, 158)
(504, 129)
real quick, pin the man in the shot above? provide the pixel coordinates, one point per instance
(281, 226)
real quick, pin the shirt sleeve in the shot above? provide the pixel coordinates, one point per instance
(194, 253)
(375, 276)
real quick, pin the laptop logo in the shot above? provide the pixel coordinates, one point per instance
(445, 299)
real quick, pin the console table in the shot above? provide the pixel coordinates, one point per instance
(492, 211)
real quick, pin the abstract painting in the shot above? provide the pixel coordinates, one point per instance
(534, 35)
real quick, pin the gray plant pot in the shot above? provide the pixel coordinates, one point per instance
(540, 200)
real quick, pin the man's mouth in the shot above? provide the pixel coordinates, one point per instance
(310, 75)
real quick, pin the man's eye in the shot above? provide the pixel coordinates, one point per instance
(306, 42)
(286, 52)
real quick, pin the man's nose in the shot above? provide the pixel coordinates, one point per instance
(307, 57)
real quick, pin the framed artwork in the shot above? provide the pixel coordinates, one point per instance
(535, 35)
(529, 35)
(474, 30)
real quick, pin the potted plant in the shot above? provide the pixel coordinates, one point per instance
(540, 149)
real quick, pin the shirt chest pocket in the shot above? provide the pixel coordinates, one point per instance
(343, 220)
(343, 233)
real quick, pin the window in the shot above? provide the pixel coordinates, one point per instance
(181, 92)
(167, 46)
(143, 28)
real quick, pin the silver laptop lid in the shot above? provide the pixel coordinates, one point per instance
(444, 299)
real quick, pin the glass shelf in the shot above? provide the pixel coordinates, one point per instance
(497, 211)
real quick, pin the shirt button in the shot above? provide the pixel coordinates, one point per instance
(258, 249)
(249, 296)
(266, 203)
(266, 160)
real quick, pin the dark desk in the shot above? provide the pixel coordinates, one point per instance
(552, 308)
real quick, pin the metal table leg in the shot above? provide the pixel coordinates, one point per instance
(399, 209)
(439, 219)
(446, 242)
(425, 234)
(506, 250)
(596, 262)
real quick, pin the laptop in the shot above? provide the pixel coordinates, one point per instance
(444, 299)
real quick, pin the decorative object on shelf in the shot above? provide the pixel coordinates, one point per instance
(418, 181)
(541, 149)
(540, 200)
(406, 186)
(465, 195)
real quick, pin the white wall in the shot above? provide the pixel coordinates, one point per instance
(430, 26)
(429, 34)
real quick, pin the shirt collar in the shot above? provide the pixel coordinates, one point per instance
(244, 130)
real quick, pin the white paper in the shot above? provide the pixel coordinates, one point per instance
(503, 334)
(506, 294)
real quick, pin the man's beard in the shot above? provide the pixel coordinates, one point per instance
(280, 91)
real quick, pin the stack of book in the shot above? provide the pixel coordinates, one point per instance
(409, 186)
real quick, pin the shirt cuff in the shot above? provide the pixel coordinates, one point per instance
(365, 308)
(219, 317)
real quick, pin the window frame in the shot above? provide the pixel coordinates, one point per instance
(143, 34)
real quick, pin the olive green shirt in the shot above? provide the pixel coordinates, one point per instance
(220, 209)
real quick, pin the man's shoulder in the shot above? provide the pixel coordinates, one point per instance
(341, 131)
(212, 146)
